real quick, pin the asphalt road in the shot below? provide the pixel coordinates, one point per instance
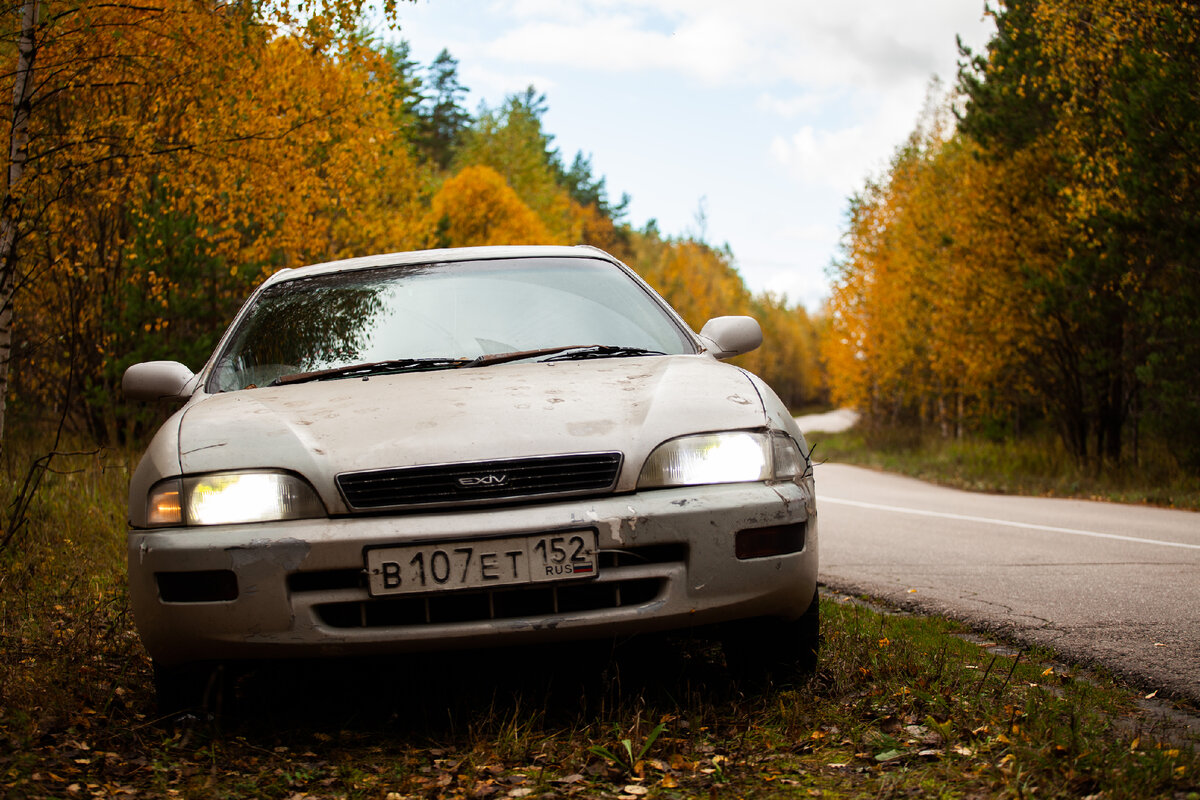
(1100, 583)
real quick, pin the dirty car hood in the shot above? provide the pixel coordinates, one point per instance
(324, 428)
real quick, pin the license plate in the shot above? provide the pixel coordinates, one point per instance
(488, 563)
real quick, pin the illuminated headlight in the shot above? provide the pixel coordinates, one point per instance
(733, 457)
(232, 497)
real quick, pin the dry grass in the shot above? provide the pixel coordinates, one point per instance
(899, 706)
(1031, 466)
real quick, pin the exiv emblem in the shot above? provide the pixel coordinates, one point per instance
(483, 480)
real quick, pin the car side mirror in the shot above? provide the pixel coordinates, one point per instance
(158, 380)
(726, 337)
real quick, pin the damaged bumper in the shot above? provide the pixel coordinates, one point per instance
(668, 559)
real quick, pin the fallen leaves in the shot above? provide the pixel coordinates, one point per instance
(830, 741)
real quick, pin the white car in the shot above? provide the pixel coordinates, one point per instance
(463, 448)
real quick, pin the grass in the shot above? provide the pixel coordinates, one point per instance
(899, 706)
(1035, 465)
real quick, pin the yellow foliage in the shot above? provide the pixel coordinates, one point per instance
(181, 152)
(477, 207)
(697, 280)
(930, 315)
(1089, 43)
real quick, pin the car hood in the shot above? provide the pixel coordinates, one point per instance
(324, 428)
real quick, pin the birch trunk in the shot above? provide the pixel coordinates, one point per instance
(12, 206)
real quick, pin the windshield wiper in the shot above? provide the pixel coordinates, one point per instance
(566, 352)
(503, 358)
(373, 368)
(603, 351)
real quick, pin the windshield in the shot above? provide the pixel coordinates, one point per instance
(439, 314)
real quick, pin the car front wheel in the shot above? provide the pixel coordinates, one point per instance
(777, 650)
(189, 687)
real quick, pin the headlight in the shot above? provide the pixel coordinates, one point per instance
(227, 498)
(733, 457)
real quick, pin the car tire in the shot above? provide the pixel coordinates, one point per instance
(775, 650)
(196, 687)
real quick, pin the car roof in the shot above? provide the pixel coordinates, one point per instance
(441, 256)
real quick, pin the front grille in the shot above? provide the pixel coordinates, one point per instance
(481, 481)
(535, 601)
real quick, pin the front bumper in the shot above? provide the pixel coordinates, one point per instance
(298, 589)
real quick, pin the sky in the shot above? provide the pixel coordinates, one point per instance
(749, 123)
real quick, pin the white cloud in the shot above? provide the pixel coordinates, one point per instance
(623, 43)
(792, 262)
(838, 159)
(841, 155)
(805, 103)
(865, 43)
(497, 84)
(807, 287)
(544, 9)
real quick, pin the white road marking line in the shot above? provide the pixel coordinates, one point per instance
(1002, 522)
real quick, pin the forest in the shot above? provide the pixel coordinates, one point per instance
(1032, 255)
(166, 156)
(1027, 261)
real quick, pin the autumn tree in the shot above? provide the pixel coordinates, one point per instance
(930, 322)
(789, 359)
(1128, 73)
(512, 141)
(701, 282)
(477, 207)
(1041, 257)
(177, 153)
(12, 205)
(1110, 88)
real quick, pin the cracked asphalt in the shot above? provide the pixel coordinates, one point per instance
(1099, 583)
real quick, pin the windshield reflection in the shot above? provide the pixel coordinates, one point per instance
(444, 312)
